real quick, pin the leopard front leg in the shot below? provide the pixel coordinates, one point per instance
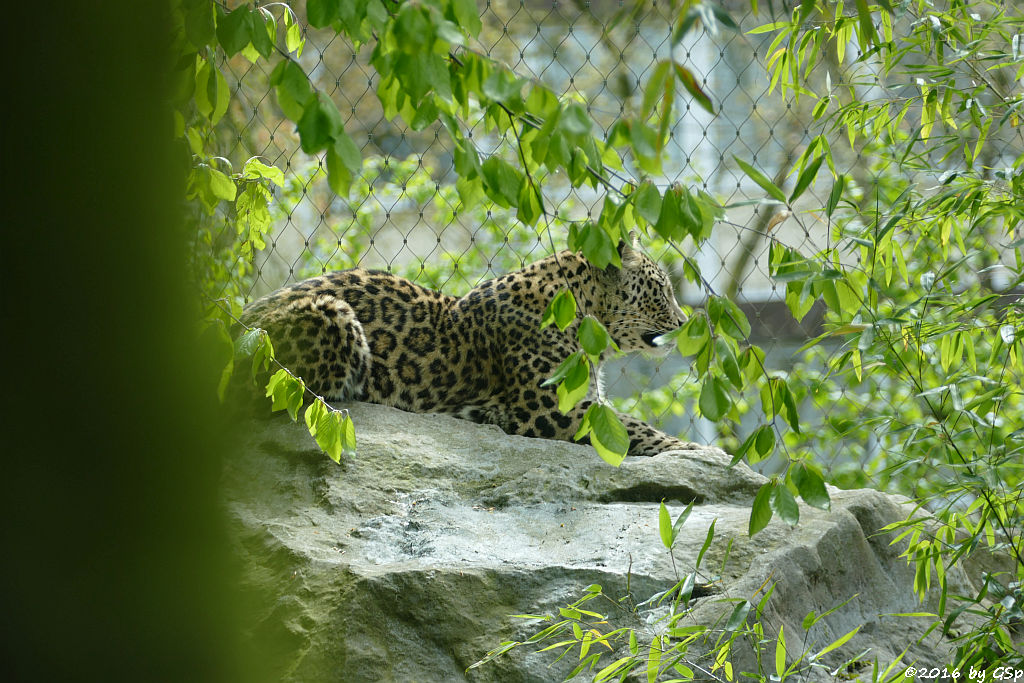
(643, 438)
(516, 417)
(528, 408)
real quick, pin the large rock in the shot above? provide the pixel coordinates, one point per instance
(405, 562)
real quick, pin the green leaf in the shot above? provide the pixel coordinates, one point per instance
(501, 181)
(647, 201)
(562, 371)
(811, 485)
(426, 114)
(253, 216)
(414, 31)
(789, 404)
(339, 178)
(751, 360)
(291, 85)
(738, 617)
(780, 653)
(263, 356)
(293, 39)
(313, 414)
(785, 505)
(728, 318)
(714, 399)
(839, 642)
(799, 297)
(655, 87)
(670, 222)
(686, 22)
(593, 336)
(199, 23)
(596, 244)
(693, 335)
(450, 33)
(574, 387)
(867, 26)
(761, 511)
(654, 659)
(248, 342)
(707, 543)
(466, 14)
(529, 207)
(777, 399)
(286, 392)
(576, 120)
(276, 379)
(643, 139)
(835, 195)
(348, 434)
(723, 17)
(764, 441)
(561, 310)
(433, 74)
(212, 93)
(727, 360)
(321, 13)
(235, 30)
(222, 186)
(320, 124)
(690, 83)
(467, 162)
(692, 216)
(220, 106)
(761, 179)
(264, 32)
(745, 449)
(348, 152)
(681, 520)
(806, 8)
(806, 178)
(616, 667)
(328, 434)
(333, 430)
(254, 168)
(665, 526)
(503, 86)
(607, 433)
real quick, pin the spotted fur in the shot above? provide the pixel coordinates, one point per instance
(372, 336)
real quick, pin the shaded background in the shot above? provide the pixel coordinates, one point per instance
(114, 564)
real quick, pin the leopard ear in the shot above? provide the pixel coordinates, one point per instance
(628, 247)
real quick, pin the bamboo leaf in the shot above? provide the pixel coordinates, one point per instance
(761, 179)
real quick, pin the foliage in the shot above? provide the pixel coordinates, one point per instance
(430, 73)
(920, 275)
(923, 246)
(410, 187)
(663, 642)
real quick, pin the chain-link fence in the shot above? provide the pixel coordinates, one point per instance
(403, 213)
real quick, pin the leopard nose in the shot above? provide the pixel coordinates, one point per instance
(649, 337)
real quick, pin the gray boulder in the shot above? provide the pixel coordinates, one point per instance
(404, 562)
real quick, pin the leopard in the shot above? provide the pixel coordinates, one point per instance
(372, 336)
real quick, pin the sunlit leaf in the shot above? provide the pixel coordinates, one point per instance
(761, 179)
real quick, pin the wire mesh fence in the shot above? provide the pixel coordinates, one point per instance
(404, 213)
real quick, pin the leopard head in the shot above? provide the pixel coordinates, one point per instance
(640, 304)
